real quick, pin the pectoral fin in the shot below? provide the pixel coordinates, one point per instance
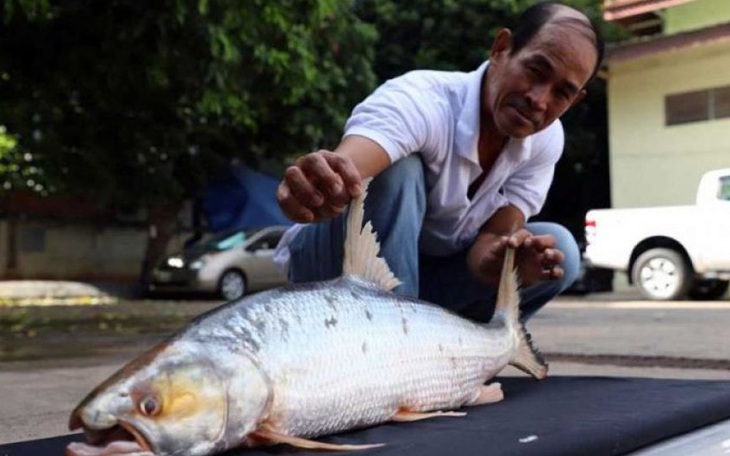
(406, 416)
(118, 448)
(487, 394)
(267, 434)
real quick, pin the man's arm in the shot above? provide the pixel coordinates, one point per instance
(320, 184)
(537, 257)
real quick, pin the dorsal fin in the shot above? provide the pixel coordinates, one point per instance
(362, 248)
(526, 358)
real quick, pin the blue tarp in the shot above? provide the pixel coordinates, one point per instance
(243, 199)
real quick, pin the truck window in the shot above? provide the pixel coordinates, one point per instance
(724, 188)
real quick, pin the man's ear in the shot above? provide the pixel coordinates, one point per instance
(501, 45)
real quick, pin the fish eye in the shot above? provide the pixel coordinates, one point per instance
(149, 406)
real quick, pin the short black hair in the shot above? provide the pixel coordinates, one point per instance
(534, 18)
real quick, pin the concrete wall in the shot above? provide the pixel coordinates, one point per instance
(696, 15)
(60, 250)
(653, 164)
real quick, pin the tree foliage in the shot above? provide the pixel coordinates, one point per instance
(435, 34)
(136, 101)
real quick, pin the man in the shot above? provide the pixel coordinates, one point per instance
(461, 161)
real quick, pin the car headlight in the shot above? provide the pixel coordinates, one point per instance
(176, 262)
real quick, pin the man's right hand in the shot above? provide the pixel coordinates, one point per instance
(318, 186)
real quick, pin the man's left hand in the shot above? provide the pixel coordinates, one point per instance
(538, 259)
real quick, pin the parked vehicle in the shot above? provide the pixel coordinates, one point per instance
(669, 252)
(230, 264)
(590, 279)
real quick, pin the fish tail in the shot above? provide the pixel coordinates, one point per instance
(362, 248)
(527, 358)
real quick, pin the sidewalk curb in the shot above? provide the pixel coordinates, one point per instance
(58, 301)
(62, 292)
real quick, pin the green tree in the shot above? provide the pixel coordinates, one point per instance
(139, 103)
(434, 34)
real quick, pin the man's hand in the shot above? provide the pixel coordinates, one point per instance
(318, 187)
(537, 259)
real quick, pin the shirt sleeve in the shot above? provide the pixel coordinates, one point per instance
(399, 116)
(527, 189)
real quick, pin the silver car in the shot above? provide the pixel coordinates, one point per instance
(231, 264)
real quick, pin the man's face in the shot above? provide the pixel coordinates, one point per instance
(527, 91)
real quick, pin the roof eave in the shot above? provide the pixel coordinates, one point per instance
(634, 50)
(621, 9)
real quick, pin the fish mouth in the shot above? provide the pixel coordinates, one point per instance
(120, 439)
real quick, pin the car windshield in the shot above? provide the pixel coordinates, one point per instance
(227, 240)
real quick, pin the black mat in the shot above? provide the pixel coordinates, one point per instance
(559, 416)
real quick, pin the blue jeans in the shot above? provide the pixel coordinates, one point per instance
(396, 205)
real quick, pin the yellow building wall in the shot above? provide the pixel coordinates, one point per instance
(652, 164)
(695, 15)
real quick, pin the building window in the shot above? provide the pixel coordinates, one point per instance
(722, 102)
(687, 107)
(697, 106)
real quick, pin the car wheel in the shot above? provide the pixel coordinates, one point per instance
(232, 285)
(662, 274)
(709, 289)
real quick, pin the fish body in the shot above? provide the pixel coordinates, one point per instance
(303, 361)
(326, 346)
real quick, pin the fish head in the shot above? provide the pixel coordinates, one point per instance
(172, 401)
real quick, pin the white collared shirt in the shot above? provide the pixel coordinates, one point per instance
(436, 113)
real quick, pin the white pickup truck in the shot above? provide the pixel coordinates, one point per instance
(670, 252)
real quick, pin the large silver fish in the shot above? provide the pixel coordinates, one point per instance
(297, 362)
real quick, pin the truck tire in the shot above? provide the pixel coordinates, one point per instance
(708, 289)
(662, 274)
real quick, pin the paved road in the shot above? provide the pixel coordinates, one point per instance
(610, 335)
(693, 330)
